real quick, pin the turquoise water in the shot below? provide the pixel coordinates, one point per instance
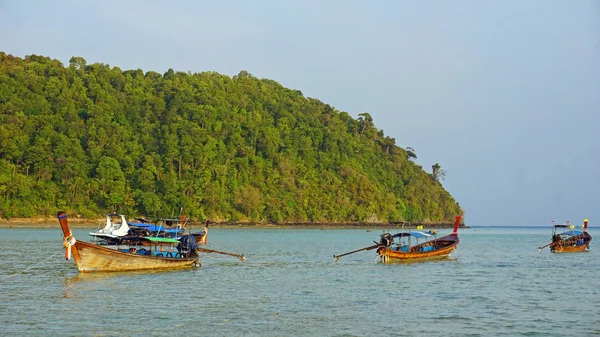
(496, 284)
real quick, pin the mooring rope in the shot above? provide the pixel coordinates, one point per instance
(35, 265)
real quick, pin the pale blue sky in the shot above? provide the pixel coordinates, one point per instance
(504, 95)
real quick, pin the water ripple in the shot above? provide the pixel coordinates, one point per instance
(497, 284)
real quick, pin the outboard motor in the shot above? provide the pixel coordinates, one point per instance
(386, 240)
(187, 245)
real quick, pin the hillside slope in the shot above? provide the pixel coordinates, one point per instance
(91, 139)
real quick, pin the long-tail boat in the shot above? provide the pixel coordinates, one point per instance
(565, 239)
(404, 250)
(150, 253)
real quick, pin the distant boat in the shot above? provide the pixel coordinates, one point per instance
(565, 239)
(148, 253)
(405, 249)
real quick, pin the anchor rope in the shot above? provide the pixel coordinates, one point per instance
(35, 265)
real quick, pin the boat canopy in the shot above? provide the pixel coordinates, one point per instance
(156, 228)
(415, 234)
(572, 233)
(154, 239)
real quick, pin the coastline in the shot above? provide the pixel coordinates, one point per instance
(96, 223)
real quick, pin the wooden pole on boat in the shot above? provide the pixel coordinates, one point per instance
(64, 225)
(337, 257)
(542, 247)
(206, 250)
(585, 221)
(456, 223)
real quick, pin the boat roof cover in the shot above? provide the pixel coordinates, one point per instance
(155, 228)
(416, 234)
(139, 224)
(153, 239)
(572, 233)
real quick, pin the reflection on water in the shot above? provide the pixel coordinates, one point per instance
(103, 276)
(497, 283)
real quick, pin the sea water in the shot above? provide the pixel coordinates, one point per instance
(495, 284)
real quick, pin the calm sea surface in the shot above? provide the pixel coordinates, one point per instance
(496, 284)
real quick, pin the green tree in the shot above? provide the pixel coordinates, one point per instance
(437, 173)
(410, 153)
(93, 138)
(112, 182)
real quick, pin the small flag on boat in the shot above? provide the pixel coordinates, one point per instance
(419, 227)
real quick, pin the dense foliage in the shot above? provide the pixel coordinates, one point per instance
(91, 139)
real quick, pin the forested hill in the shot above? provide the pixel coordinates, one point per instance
(90, 139)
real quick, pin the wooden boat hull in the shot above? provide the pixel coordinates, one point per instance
(574, 244)
(568, 249)
(389, 255)
(200, 238)
(94, 258)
